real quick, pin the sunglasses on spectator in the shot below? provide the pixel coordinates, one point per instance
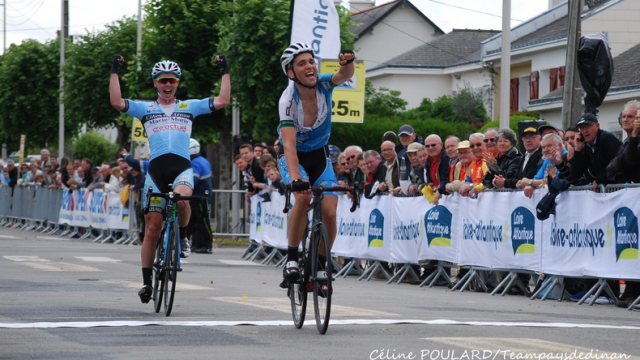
(490, 139)
(343, 164)
(167, 80)
(430, 145)
(351, 157)
(475, 145)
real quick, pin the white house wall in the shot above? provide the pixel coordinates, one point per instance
(414, 88)
(620, 22)
(401, 31)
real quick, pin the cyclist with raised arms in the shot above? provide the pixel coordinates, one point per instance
(305, 127)
(168, 123)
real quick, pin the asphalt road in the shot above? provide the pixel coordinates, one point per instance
(71, 299)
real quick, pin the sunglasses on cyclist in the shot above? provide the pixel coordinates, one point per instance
(167, 80)
(490, 139)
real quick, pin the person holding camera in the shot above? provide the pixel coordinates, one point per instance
(594, 149)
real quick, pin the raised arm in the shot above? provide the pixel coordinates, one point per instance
(224, 97)
(114, 83)
(347, 68)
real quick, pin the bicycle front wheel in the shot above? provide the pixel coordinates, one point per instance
(158, 275)
(321, 276)
(171, 268)
(298, 291)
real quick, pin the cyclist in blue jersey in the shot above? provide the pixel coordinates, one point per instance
(168, 123)
(305, 127)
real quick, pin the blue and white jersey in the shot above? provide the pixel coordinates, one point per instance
(168, 134)
(290, 109)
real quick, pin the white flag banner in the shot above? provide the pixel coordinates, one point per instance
(274, 221)
(499, 231)
(440, 223)
(361, 234)
(407, 224)
(593, 235)
(316, 23)
(117, 215)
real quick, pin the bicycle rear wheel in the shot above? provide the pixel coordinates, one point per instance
(322, 287)
(298, 291)
(171, 268)
(158, 274)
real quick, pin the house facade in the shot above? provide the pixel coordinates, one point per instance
(471, 59)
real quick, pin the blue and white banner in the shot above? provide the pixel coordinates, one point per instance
(117, 215)
(316, 23)
(365, 232)
(591, 235)
(594, 235)
(440, 225)
(98, 209)
(499, 231)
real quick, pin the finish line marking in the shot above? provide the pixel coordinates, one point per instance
(52, 325)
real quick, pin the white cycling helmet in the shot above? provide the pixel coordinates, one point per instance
(166, 66)
(194, 147)
(291, 52)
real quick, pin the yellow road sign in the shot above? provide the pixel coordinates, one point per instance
(348, 98)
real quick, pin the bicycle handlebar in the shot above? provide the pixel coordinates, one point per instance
(318, 190)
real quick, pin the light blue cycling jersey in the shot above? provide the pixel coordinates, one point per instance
(168, 134)
(290, 108)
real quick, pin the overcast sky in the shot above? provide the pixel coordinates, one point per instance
(40, 19)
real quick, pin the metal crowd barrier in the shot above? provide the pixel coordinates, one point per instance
(230, 213)
(38, 209)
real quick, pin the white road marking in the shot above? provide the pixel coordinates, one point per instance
(60, 266)
(47, 325)
(97, 259)
(240, 262)
(282, 304)
(8, 237)
(53, 238)
(135, 285)
(26, 258)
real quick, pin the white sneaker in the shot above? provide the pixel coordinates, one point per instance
(185, 248)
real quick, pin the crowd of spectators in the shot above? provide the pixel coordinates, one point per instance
(407, 165)
(50, 173)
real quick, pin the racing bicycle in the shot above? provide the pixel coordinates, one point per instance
(166, 264)
(313, 262)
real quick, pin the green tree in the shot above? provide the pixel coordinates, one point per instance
(87, 72)
(254, 33)
(468, 106)
(95, 147)
(382, 101)
(29, 99)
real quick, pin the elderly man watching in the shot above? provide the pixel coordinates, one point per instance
(530, 164)
(416, 176)
(594, 150)
(478, 166)
(376, 171)
(391, 178)
(437, 163)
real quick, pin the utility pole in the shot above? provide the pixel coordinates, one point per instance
(571, 104)
(64, 34)
(505, 65)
